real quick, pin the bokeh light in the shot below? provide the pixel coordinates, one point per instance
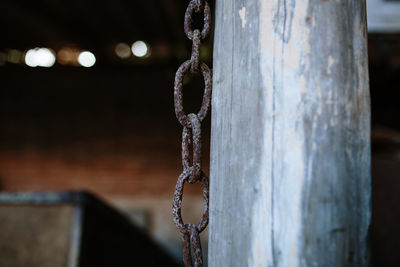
(86, 59)
(140, 49)
(68, 56)
(123, 50)
(40, 57)
(14, 56)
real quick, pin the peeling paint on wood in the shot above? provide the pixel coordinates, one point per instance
(242, 15)
(290, 146)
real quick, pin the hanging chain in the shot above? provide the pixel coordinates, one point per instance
(191, 136)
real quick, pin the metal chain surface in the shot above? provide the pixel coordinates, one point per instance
(191, 135)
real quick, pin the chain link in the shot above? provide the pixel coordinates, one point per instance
(191, 135)
(178, 96)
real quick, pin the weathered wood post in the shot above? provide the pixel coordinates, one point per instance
(290, 148)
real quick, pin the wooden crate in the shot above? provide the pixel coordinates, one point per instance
(69, 230)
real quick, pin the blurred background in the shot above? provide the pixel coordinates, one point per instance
(86, 103)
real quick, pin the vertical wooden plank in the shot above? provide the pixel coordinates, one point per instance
(290, 145)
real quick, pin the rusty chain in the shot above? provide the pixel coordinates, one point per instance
(191, 135)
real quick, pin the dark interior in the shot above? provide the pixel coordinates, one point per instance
(122, 109)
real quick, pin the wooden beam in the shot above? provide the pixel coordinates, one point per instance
(290, 140)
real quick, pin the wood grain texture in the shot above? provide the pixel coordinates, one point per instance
(290, 140)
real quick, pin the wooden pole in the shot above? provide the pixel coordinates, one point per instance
(290, 148)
